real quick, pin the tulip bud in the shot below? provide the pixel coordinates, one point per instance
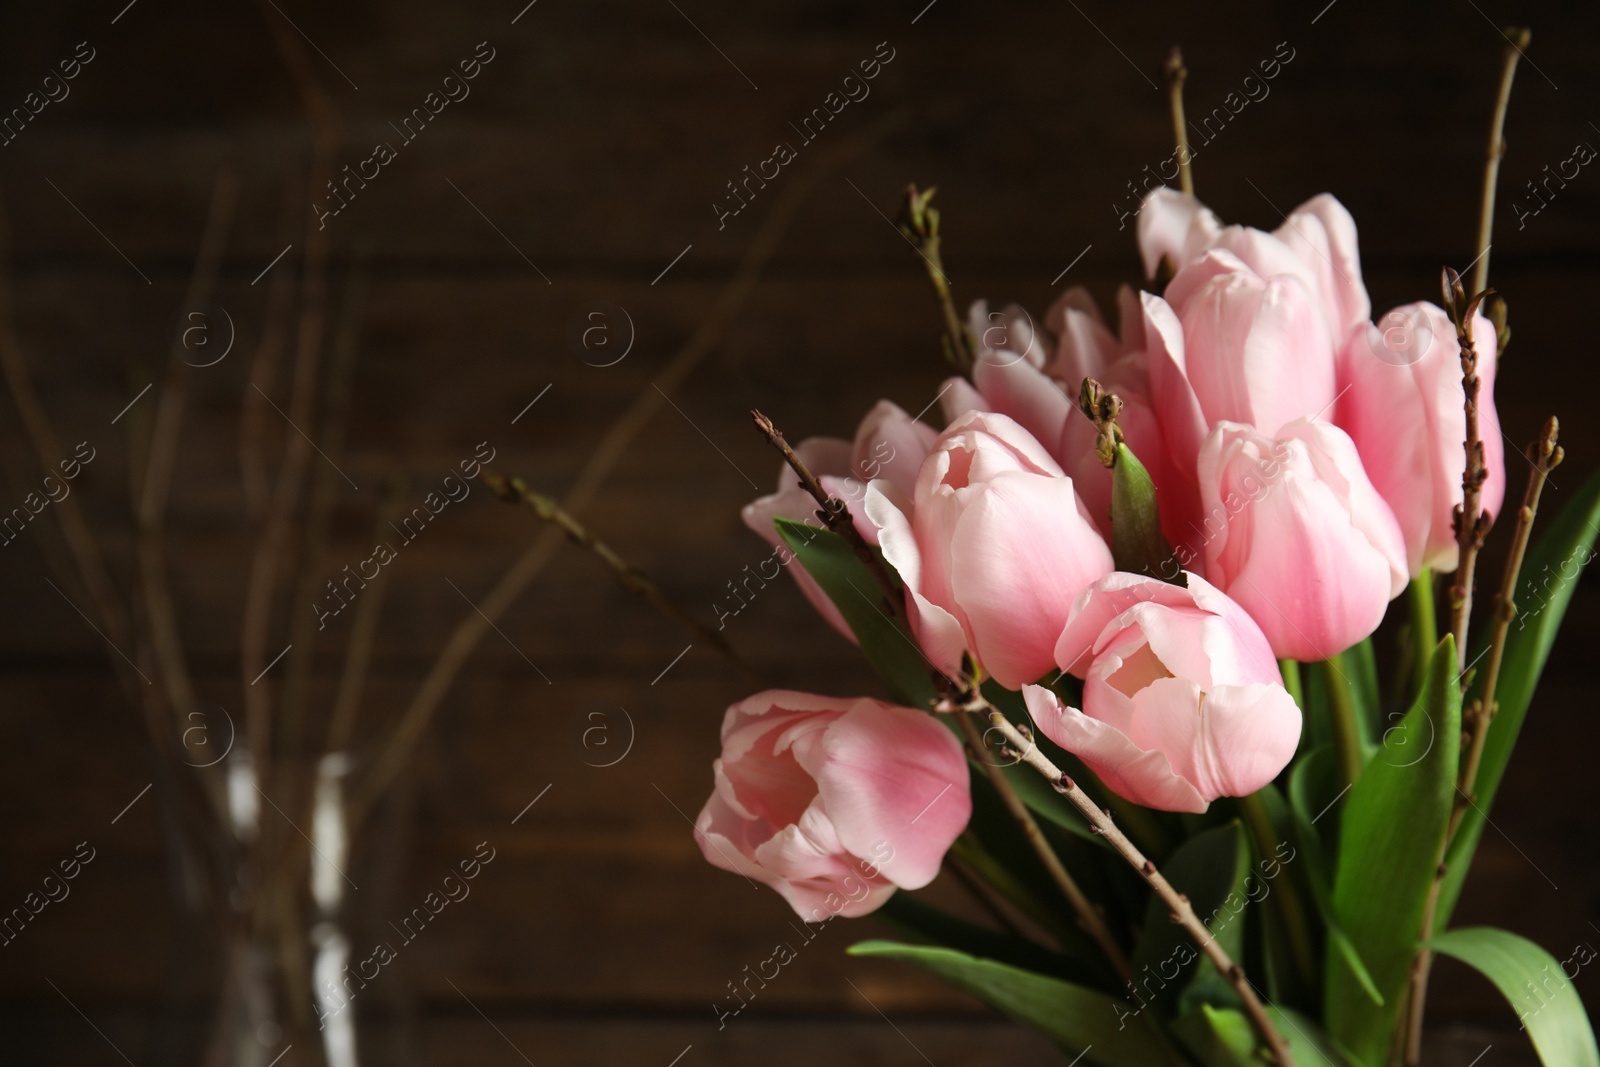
(993, 546)
(1182, 699)
(833, 802)
(1296, 534)
(1403, 406)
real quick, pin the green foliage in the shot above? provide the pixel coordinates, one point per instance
(1075, 1018)
(1535, 986)
(1549, 578)
(1392, 830)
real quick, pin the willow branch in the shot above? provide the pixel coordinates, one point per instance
(155, 486)
(276, 322)
(1471, 521)
(363, 633)
(473, 625)
(285, 498)
(1177, 74)
(325, 482)
(1090, 918)
(631, 578)
(1545, 455)
(41, 433)
(919, 222)
(1182, 911)
(1516, 40)
(835, 514)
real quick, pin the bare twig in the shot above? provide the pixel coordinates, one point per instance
(1471, 521)
(276, 323)
(835, 514)
(514, 490)
(358, 654)
(1177, 74)
(1545, 455)
(473, 625)
(1182, 912)
(1090, 917)
(150, 507)
(919, 221)
(1517, 39)
(285, 498)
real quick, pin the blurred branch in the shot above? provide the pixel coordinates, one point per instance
(473, 625)
(631, 578)
(358, 654)
(1177, 74)
(263, 374)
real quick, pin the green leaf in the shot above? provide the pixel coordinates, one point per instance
(924, 922)
(1393, 827)
(1549, 577)
(1079, 1020)
(1137, 544)
(1210, 868)
(1314, 794)
(1524, 973)
(849, 583)
(1223, 1037)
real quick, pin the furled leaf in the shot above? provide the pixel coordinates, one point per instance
(1536, 987)
(1169, 970)
(1393, 827)
(1137, 544)
(1104, 1030)
(888, 645)
(1549, 578)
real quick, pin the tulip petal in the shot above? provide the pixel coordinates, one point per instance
(1229, 741)
(1021, 553)
(894, 783)
(1140, 775)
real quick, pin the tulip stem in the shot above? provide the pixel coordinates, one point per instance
(1182, 911)
(1545, 455)
(1291, 907)
(1090, 918)
(1346, 728)
(1516, 40)
(1177, 74)
(516, 491)
(1290, 669)
(1424, 626)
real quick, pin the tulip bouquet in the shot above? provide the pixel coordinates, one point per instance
(1128, 607)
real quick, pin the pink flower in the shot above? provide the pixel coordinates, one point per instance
(993, 545)
(889, 444)
(1255, 347)
(1182, 699)
(834, 802)
(1316, 245)
(1403, 407)
(1010, 381)
(1296, 534)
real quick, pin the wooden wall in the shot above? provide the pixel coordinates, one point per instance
(596, 141)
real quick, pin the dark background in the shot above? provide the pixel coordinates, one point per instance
(595, 142)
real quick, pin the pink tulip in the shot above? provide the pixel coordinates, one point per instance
(993, 545)
(1255, 348)
(1403, 407)
(1182, 699)
(1294, 531)
(834, 802)
(889, 444)
(1316, 245)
